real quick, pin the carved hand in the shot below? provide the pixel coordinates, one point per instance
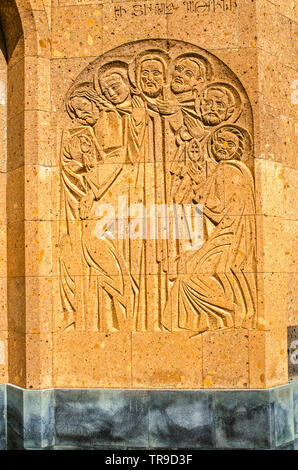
(85, 204)
(88, 161)
(195, 173)
(195, 128)
(167, 107)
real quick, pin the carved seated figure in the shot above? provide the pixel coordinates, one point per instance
(219, 287)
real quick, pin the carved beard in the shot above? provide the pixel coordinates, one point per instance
(221, 153)
(212, 119)
(178, 87)
(152, 93)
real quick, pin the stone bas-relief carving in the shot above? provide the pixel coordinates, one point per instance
(157, 124)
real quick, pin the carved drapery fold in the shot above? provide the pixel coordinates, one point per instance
(157, 126)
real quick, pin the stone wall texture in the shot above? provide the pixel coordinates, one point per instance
(155, 103)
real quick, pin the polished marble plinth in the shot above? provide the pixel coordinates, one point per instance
(149, 419)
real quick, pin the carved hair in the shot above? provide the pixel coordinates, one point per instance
(117, 67)
(202, 69)
(152, 57)
(83, 90)
(245, 143)
(221, 89)
(204, 65)
(150, 54)
(114, 67)
(233, 95)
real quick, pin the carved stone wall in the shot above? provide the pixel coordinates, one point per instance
(3, 271)
(122, 114)
(156, 125)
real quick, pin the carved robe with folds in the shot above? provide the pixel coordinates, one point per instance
(97, 288)
(219, 287)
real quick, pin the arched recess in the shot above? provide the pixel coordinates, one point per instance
(26, 46)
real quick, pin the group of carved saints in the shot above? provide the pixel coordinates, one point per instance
(161, 131)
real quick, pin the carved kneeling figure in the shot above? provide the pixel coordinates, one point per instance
(219, 287)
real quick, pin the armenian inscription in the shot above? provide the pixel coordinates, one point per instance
(210, 6)
(199, 8)
(144, 9)
(157, 194)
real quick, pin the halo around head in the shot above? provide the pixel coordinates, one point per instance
(81, 90)
(247, 150)
(115, 66)
(232, 91)
(200, 60)
(149, 54)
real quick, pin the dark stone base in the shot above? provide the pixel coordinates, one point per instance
(3, 417)
(149, 419)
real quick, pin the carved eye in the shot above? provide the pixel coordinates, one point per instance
(156, 73)
(188, 73)
(231, 144)
(145, 73)
(220, 139)
(220, 104)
